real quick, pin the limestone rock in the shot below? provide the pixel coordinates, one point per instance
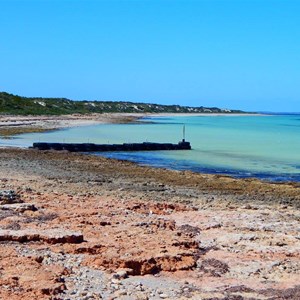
(9, 197)
(19, 207)
(51, 236)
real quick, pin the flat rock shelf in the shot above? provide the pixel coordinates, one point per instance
(89, 147)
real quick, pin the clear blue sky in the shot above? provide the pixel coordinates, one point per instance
(231, 54)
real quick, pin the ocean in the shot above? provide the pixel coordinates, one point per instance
(265, 147)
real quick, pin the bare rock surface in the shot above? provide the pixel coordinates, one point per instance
(51, 236)
(18, 207)
(9, 197)
(113, 230)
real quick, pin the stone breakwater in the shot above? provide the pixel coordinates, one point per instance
(79, 227)
(88, 147)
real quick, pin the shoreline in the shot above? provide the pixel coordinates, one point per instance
(146, 232)
(264, 192)
(15, 124)
(12, 125)
(267, 181)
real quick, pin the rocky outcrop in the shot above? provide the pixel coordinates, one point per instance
(19, 207)
(51, 236)
(169, 263)
(25, 278)
(153, 265)
(144, 222)
(9, 197)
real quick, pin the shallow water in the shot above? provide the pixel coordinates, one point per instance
(266, 147)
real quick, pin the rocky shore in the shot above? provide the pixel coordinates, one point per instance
(15, 124)
(76, 226)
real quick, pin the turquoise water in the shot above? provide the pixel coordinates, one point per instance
(266, 147)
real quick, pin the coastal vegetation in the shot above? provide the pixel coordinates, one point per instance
(18, 105)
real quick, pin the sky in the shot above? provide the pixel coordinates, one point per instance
(238, 54)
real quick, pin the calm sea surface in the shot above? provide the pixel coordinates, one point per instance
(266, 147)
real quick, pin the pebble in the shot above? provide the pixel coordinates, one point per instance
(122, 274)
(120, 293)
(115, 286)
(139, 288)
(115, 281)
